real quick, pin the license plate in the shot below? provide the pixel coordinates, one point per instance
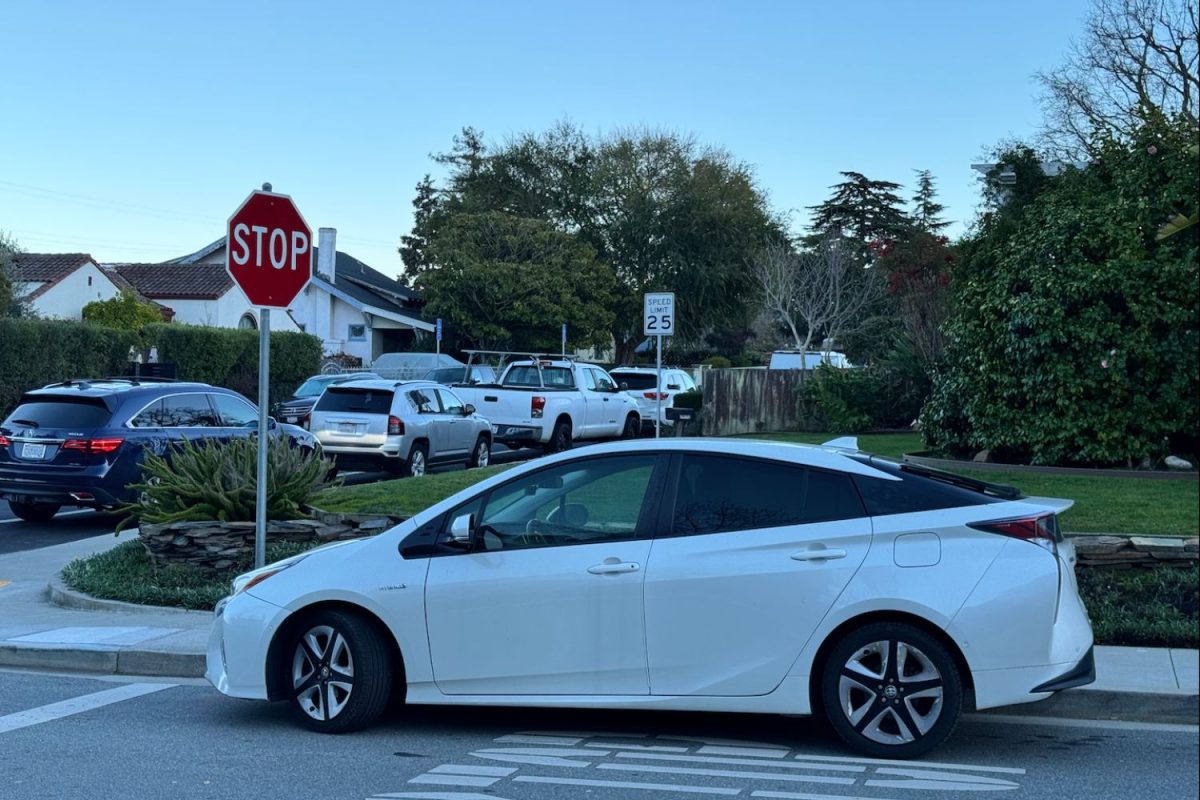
(292, 419)
(346, 427)
(32, 451)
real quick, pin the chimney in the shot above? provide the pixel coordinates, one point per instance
(327, 253)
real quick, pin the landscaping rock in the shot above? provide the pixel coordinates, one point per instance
(982, 455)
(1175, 462)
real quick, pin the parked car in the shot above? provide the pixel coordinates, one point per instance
(808, 359)
(704, 575)
(400, 426)
(411, 366)
(82, 442)
(552, 401)
(462, 376)
(641, 383)
(295, 409)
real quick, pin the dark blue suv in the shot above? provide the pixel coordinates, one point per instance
(82, 442)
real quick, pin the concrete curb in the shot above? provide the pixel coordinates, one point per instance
(151, 663)
(65, 597)
(1177, 708)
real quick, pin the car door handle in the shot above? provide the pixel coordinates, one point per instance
(614, 569)
(817, 555)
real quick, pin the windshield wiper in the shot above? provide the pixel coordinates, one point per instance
(28, 423)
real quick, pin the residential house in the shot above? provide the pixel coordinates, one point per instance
(59, 285)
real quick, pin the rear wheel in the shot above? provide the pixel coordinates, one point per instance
(891, 690)
(560, 439)
(482, 454)
(340, 675)
(34, 512)
(418, 461)
(633, 427)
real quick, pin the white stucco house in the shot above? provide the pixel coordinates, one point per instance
(59, 285)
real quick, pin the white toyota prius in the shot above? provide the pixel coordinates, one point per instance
(706, 575)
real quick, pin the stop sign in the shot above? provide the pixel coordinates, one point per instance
(268, 249)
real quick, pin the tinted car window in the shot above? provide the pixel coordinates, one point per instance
(720, 494)
(69, 412)
(424, 401)
(635, 380)
(234, 412)
(149, 417)
(913, 493)
(187, 411)
(528, 376)
(359, 401)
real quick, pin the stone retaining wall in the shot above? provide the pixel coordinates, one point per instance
(215, 546)
(1125, 552)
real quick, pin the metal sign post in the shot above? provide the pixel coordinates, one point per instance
(658, 320)
(437, 336)
(264, 436)
(564, 338)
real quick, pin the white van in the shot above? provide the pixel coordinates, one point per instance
(808, 359)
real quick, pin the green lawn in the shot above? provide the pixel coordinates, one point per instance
(1102, 504)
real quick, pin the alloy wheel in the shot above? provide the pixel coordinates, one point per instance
(482, 453)
(890, 692)
(322, 673)
(416, 466)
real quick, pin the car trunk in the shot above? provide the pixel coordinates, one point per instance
(352, 417)
(59, 432)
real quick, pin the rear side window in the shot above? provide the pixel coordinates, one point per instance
(76, 413)
(187, 411)
(722, 493)
(527, 375)
(359, 401)
(635, 380)
(913, 493)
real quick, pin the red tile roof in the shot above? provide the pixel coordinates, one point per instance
(176, 281)
(46, 268)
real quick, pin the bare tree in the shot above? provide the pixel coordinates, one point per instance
(1137, 60)
(822, 292)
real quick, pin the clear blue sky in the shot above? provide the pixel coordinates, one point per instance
(134, 129)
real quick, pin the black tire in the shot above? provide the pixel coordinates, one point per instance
(560, 438)
(633, 427)
(481, 453)
(418, 460)
(884, 708)
(34, 512)
(338, 672)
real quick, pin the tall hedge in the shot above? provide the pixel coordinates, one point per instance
(34, 352)
(1074, 337)
(229, 357)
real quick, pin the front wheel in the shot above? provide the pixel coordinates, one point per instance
(891, 690)
(481, 454)
(340, 673)
(34, 512)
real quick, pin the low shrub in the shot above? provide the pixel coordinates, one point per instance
(1144, 607)
(717, 362)
(852, 400)
(693, 398)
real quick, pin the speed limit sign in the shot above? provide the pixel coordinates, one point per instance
(659, 314)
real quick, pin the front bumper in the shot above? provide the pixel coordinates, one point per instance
(236, 656)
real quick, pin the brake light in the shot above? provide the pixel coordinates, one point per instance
(93, 445)
(655, 395)
(395, 426)
(1041, 529)
(4, 441)
(305, 421)
(537, 406)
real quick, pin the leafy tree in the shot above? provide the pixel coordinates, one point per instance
(10, 306)
(1074, 336)
(918, 278)
(505, 281)
(866, 210)
(927, 210)
(124, 311)
(415, 246)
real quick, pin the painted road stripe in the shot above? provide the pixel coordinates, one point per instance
(941, 781)
(922, 764)
(807, 796)
(728, 773)
(538, 738)
(756, 752)
(78, 705)
(454, 780)
(467, 769)
(654, 787)
(1108, 724)
(656, 748)
(744, 762)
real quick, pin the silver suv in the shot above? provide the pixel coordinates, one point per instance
(400, 426)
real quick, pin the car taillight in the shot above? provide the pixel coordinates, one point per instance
(655, 395)
(537, 406)
(93, 445)
(4, 442)
(395, 426)
(1041, 529)
(305, 421)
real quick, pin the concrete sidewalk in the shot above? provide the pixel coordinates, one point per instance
(45, 625)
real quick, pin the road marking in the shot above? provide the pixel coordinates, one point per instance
(78, 705)
(657, 748)
(728, 773)
(923, 764)
(939, 781)
(434, 796)
(56, 516)
(743, 762)
(466, 769)
(454, 780)
(1108, 724)
(538, 738)
(806, 796)
(757, 752)
(654, 787)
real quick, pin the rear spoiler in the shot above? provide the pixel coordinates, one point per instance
(1055, 504)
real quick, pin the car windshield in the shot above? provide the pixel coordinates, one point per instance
(314, 386)
(77, 413)
(636, 380)
(447, 375)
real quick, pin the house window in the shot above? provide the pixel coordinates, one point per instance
(248, 322)
(89, 280)
(358, 333)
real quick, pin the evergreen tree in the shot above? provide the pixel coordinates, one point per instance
(926, 210)
(866, 210)
(414, 247)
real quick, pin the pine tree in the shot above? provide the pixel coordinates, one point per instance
(926, 209)
(415, 246)
(866, 210)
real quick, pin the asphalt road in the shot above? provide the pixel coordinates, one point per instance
(74, 523)
(74, 737)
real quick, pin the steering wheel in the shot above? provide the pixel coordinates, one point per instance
(535, 532)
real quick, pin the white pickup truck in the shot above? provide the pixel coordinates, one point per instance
(551, 401)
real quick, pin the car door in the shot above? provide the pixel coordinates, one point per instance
(459, 430)
(549, 599)
(430, 421)
(236, 417)
(757, 553)
(190, 416)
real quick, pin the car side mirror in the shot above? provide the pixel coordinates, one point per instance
(624, 387)
(468, 410)
(461, 529)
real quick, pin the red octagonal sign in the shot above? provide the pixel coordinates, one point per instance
(268, 249)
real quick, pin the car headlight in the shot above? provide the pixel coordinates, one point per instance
(247, 579)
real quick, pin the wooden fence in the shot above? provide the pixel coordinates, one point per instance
(752, 401)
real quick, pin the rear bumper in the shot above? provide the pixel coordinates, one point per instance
(1081, 674)
(76, 490)
(505, 434)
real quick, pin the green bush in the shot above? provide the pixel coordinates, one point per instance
(1143, 607)
(124, 312)
(854, 400)
(1074, 336)
(229, 357)
(717, 362)
(210, 480)
(693, 398)
(34, 352)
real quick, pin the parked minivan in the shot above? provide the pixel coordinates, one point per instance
(808, 359)
(399, 426)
